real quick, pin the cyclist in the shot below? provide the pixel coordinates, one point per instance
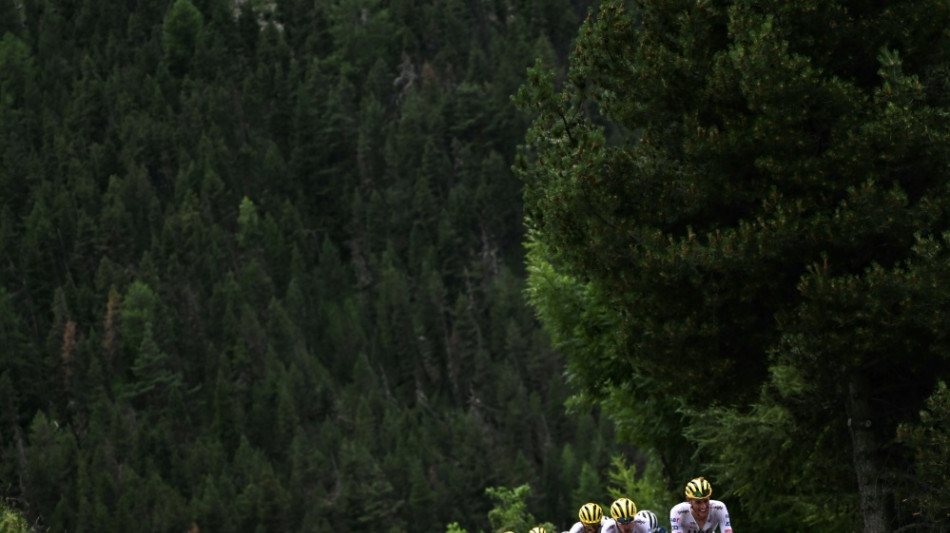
(699, 512)
(649, 522)
(592, 520)
(624, 511)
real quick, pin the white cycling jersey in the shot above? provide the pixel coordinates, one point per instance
(607, 525)
(682, 521)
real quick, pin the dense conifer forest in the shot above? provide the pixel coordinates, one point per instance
(261, 266)
(464, 265)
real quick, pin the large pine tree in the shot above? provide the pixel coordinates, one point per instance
(738, 214)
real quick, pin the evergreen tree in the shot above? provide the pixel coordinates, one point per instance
(755, 197)
(929, 438)
(51, 459)
(23, 371)
(180, 33)
(154, 379)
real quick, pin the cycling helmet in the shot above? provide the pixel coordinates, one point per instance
(538, 529)
(649, 519)
(623, 508)
(698, 488)
(590, 514)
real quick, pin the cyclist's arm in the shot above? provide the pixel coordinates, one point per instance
(724, 523)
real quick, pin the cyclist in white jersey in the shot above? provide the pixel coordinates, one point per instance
(647, 521)
(593, 520)
(699, 513)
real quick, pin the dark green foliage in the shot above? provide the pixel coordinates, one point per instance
(255, 258)
(737, 215)
(930, 438)
(12, 21)
(50, 468)
(180, 33)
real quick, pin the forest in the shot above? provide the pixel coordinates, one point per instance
(465, 265)
(262, 267)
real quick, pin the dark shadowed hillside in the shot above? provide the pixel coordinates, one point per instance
(261, 266)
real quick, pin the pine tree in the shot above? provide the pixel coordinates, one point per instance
(154, 378)
(51, 458)
(24, 371)
(180, 32)
(930, 439)
(754, 195)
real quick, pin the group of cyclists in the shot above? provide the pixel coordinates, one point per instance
(699, 513)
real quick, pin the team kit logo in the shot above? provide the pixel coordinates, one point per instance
(726, 525)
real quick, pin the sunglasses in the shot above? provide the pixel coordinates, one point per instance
(594, 527)
(624, 521)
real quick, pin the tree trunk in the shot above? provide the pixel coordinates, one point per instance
(874, 506)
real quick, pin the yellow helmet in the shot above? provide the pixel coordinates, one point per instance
(538, 529)
(698, 488)
(590, 514)
(624, 509)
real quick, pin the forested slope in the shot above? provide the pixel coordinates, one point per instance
(261, 266)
